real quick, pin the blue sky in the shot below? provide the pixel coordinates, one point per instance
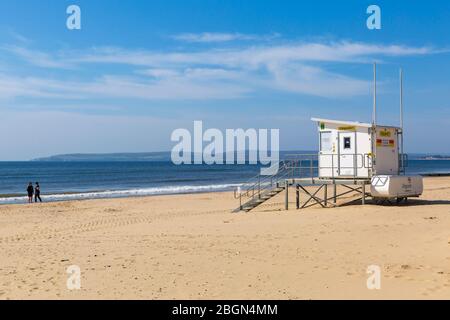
(137, 70)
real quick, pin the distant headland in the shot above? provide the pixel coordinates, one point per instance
(140, 156)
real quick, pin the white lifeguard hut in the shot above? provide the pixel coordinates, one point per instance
(352, 155)
(359, 151)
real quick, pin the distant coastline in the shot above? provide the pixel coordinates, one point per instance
(435, 157)
(134, 156)
(123, 156)
(166, 156)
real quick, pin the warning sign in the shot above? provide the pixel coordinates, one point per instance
(386, 143)
(347, 128)
(385, 133)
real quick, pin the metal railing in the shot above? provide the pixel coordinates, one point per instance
(259, 185)
(306, 165)
(316, 162)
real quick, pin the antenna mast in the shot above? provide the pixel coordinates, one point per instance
(401, 99)
(401, 121)
(374, 112)
(374, 118)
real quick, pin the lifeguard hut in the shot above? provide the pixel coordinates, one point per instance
(352, 155)
(357, 150)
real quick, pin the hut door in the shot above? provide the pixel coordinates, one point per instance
(347, 153)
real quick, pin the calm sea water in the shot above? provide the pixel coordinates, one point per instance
(79, 180)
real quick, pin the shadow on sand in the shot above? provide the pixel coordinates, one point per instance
(409, 203)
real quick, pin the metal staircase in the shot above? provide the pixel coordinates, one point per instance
(260, 188)
(254, 202)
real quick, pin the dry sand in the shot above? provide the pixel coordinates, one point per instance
(193, 247)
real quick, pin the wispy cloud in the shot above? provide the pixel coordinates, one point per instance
(204, 74)
(316, 81)
(15, 86)
(193, 85)
(38, 58)
(184, 86)
(254, 56)
(207, 37)
(20, 38)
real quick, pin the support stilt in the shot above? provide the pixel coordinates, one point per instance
(363, 194)
(334, 192)
(286, 199)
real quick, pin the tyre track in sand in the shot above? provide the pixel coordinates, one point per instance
(99, 224)
(70, 231)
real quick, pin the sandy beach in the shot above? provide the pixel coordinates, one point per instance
(193, 247)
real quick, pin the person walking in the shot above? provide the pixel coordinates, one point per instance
(30, 191)
(37, 193)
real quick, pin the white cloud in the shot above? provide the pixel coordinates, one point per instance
(171, 88)
(14, 86)
(159, 73)
(38, 58)
(20, 38)
(254, 56)
(187, 86)
(207, 37)
(315, 81)
(204, 74)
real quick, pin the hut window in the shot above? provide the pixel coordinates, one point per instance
(347, 143)
(325, 142)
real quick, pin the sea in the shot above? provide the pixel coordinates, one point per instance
(76, 180)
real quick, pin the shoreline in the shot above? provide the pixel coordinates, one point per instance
(115, 198)
(7, 199)
(117, 194)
